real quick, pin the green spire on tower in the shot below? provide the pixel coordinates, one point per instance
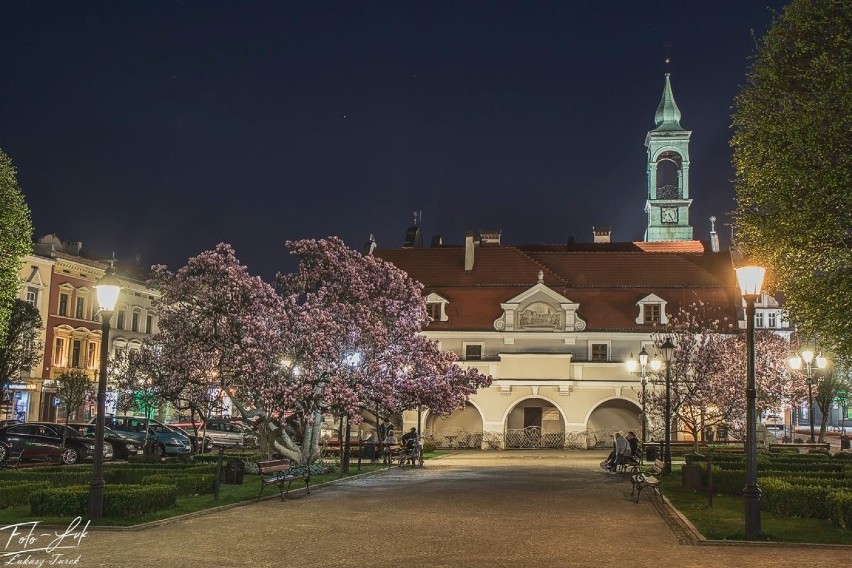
(667, 116)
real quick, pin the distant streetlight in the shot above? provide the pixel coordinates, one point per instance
(667, 349)
(807, 358)
(750, 279)
(107, 290)
(640, 367)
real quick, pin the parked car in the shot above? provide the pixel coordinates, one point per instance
(122, 446)
(220, 431)
(774, 423)
(163, 439)
(43, 441)
(9, 422)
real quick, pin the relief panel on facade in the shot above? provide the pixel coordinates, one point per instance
(539, 314)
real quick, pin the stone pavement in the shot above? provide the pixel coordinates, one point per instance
(467, 510)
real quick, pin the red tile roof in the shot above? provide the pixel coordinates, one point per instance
(606, 281)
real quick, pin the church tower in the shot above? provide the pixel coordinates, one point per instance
(668, 174)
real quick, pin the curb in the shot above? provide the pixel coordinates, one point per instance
(695, 538)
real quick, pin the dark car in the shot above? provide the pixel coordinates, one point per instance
(122, 446)
(163, 439)
(43, 441)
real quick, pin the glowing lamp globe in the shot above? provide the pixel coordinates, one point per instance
(107, 290)
(750, 279)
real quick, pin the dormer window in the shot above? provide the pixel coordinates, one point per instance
(436, 307)
(652, 311)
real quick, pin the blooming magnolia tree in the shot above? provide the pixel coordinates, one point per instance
(708, 371)
(334, 336)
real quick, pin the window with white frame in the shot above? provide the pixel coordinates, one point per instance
(32, 296)
(758, 319)
(59, 352)
(64, 300)
(79, 307)
(599, 352)
(91, 355)
(652, 310)
(134, 319)
(120, 319)
(473, 351)
(436, 307)
(772, 319)
(76, 352)
(149, 323)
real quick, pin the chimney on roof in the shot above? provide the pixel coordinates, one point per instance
(413, 237)
(468, 251)
(437, 241)
(714, 236)
(489, 236)
(602, 234)
(370, 245)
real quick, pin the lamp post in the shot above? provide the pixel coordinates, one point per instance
(667, 349)
(750, 279)
(352, 361)
(107, 290)
(640, 367)
(807, 357)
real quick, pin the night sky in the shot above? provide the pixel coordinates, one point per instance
(162, 128)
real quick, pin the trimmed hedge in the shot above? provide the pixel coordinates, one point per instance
(185, 485)
(788, 500)
(18, 493)
(123, 501)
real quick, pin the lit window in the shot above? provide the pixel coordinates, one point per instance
(91, 354)
(59, 351)
(600, 351)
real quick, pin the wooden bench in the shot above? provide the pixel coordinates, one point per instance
(277, 472)
(647, 479)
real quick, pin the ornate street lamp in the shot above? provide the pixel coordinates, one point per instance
(640, 367)
(807, 357)
(750, 279)
(107, 290)
(667, 349)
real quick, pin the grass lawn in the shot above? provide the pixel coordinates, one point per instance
(228, 494)
(726, 519)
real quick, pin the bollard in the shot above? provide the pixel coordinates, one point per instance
(218, 480)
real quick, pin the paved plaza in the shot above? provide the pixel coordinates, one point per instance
(465, 510)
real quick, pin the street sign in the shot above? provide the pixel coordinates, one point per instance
(56, 401)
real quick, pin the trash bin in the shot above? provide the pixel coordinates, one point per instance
(650, 453)
(844, 442)
(234, 472)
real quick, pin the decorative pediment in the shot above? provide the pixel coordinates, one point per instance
(539, 309)
(441, 302)
(34, 278)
